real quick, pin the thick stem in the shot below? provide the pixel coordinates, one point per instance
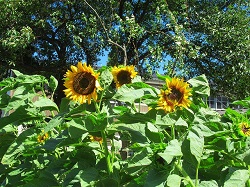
(184, 173)
(197, 174)
(107, 154)
(173, 132)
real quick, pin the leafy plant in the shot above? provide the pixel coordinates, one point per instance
(110, 142)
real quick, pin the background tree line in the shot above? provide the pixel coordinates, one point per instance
(185, 37)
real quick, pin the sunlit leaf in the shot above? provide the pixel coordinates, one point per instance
(200, 85)
(211, 183)
(46, 104)
(196, 145)
(172, 150)
(174, 180)
(53, 83)
(237, 178)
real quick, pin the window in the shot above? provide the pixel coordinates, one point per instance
(218, 103)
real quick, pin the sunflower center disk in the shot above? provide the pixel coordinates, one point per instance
(123, 77)
(245, 129)
(84, 83)
(175, 95)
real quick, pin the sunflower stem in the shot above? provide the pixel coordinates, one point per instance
(173, 132)
(97, 107)
(184, 173)
(107, 154)
(100, 101)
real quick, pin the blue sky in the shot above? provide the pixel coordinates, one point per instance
(103, 62)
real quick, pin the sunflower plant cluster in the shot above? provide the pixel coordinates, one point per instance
(100, 135)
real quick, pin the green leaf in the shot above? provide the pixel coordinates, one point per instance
(17, 147)
(20, 98)
(43, 176)
(64, 105)
(18, 116)
(172, 150)
(153, 133)
(211, 183)
(77, 133)
(7, 85)
(244, 102)
(246, 157)
(120, 109)
(164, 121)
(200, 85)
(174, 180)
(138, 162)
(88, 176)
(16, 72)
(136, 130)
(53, 83)
(181, 122)
(95, 123)
(78, 123)
(45, 104)
(196, 145)
(236, 178)
(155, 178)
(138, 85)
(162, 77)
(55, 122)
(106, 78)
(135, 118)
(129, 94)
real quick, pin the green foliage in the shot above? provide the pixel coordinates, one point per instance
(194, 146)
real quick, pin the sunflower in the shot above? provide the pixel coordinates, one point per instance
(176, 95)
(244, 129)
(95, 139)
(42, 137)
(81, 83)
(123, 75)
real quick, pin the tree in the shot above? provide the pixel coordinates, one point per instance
(187, 38)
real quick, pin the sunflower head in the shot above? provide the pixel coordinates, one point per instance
(95, 139)
(176, 94)
(81, 83)
(123, 75)
(42, 137)
(243, 129)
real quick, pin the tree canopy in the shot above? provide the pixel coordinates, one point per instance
(186, 38)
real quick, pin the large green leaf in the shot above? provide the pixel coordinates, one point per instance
(18, 116)
(43, 176)
(21, 97)
(138, 162)
(130, 94)
(156, 178)
(55, 122)
(45, 104)
(18, 146)
(136, 131)
(244, 102)
(200, 85)
(153, 133)
(174, 180)
(237, 178)
(211, 183)
(196, 145)
(106, 78)
(172, 150)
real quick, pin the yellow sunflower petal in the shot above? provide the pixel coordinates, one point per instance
(176, 95)
(80, 83)
(123, 75)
